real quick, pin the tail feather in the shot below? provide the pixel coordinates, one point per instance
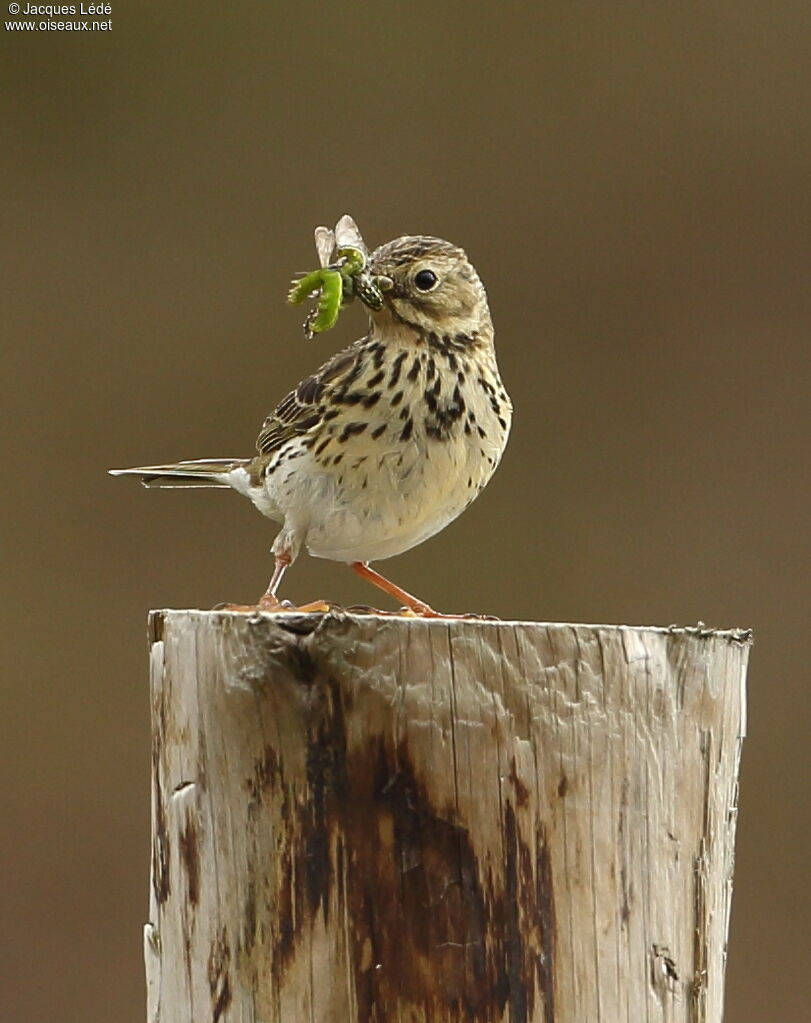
(205, 472)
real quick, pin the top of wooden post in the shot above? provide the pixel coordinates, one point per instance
(309, 622)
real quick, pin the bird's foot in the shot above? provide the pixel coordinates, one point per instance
(225, 606)
(272, 604)
(424, 611)
(419, 610)
(313, 607)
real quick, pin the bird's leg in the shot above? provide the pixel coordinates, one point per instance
(269, 601)
(417, 607)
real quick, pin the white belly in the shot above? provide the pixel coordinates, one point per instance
(410, 494)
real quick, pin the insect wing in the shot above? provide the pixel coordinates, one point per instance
(324, 245)
(347, 235)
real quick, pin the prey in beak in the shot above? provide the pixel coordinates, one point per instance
(344, 274)
(348, 244)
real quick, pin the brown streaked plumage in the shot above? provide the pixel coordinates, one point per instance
(392, 437)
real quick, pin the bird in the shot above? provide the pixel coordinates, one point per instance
(391, 438)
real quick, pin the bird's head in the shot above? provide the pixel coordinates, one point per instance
(430, 285)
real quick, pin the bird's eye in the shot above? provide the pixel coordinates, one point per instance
(425, 280)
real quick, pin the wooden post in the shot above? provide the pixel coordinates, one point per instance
(362, 818)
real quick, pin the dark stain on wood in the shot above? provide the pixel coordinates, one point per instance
(285, 918)
(626, 888)
(301, 662)
(431, 928)
(219, 978)
(305, 870)
(326, 775)
(414, 891)
(265, 774)
(701, 933)
(527, 923)
(190, 858)
(521, 791)
(187, 950)
(161, 883)
(563, 785)
(249, 918)
(516, 857)
(154, 627)
(545, 914)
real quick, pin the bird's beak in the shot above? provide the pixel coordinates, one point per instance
(384, 283)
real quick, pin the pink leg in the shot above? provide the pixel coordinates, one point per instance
(269, 600)
(418, 607)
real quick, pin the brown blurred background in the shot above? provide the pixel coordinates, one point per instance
(632, 182)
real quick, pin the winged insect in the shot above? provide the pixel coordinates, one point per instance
(342, 276)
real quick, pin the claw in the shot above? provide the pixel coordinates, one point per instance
(273, 606)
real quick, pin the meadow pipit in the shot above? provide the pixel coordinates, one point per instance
(392, 437)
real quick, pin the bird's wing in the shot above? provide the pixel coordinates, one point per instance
(302, 410)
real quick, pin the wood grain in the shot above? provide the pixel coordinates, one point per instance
(362, 818)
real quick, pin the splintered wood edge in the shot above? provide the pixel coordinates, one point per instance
(307, 623)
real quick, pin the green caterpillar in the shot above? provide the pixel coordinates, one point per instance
(334, 287)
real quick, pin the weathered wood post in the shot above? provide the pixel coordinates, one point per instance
(362, 818)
